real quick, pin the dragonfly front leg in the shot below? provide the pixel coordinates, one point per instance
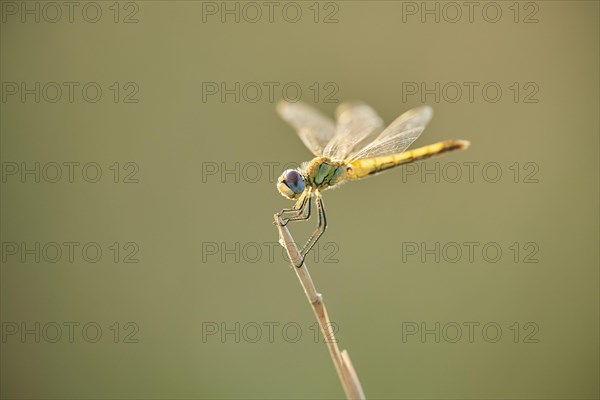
(296, 213)
(321, 226)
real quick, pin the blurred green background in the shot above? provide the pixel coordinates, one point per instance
(182, 322)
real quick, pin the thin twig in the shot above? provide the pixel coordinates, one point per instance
(341, 360)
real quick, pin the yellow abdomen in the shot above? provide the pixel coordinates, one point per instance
(370, 166)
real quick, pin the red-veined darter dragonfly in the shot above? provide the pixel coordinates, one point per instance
(355, 146)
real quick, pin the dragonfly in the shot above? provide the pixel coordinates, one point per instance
(354, 146)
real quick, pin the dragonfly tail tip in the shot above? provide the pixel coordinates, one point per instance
(463, 144)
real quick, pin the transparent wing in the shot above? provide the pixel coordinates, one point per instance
(356, 123)
(398, 135)
(314, 128)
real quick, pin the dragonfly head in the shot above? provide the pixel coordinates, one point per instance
(291, 184)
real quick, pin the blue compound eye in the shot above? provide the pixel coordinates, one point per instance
(291, 184)
(292, 176)
(294, 181)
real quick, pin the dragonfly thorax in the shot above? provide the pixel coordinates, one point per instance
(323, 172)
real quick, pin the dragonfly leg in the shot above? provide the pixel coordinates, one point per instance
(296, 213)
(300, 215)
(321, 226)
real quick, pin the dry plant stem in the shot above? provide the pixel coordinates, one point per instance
(341, 360)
